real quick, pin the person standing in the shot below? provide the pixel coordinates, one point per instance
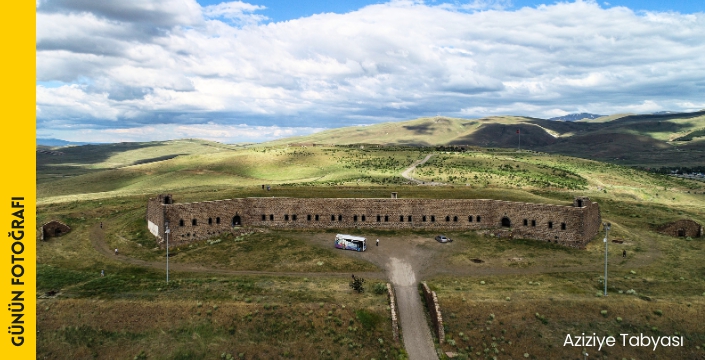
(116, 252)
(101, 224)
(102, 273)
(377, 242)
(624, 253)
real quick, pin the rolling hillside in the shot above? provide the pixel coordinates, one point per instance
(645, 140)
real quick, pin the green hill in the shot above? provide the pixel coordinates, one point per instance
(645, 140)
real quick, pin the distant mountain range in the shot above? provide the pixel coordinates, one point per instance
(576, 117)
(58, 142)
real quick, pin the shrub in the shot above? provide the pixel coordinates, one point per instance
(603, 312)
(379, 288)
(482, 282)
(658, 312)
(619, 319)
(507, 298)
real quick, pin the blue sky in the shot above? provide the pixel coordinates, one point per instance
(238, 71)
(281, 10)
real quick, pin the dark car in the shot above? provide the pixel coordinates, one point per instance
(443, 239)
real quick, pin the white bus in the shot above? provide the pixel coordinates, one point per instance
(349, 242)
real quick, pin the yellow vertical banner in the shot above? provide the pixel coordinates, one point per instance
(18, 268)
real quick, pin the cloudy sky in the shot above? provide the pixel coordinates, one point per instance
(138, 70)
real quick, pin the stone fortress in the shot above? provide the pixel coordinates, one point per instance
(573, 226)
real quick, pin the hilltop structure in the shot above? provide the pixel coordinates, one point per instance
(681, 228)
(572, 226)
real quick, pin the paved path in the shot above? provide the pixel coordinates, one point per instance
(417, 336)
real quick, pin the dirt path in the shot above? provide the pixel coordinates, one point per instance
(407, 173)
(417, 337)
(98, 241)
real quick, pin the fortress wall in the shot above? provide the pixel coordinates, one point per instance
(155, 214)
(215, 217)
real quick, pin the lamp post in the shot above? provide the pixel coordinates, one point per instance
(607, 229)
(167, 231)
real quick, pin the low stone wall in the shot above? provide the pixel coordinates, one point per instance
(434, 310)
(393, 309)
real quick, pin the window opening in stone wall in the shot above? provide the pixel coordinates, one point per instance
(681, 232)
(167, 200)
(470, 218)
(409, 218)
(355, 218)
(340, 217)
(308, 217)
(506, 222)
(286, 217)
(401, 218)
(447, 218)
(181, 222)
(563, 226)
(317, 217)
(217, 220)
(379, 218)
(550, 224)
(264, 217)
(526, 222)
(194, 222)
(423, 218)
(271, 217)
(479, 218)
(293, 217)
(433, 218)
(210, 221)
(57, 231)
(332, 218)
(386, 218)
(533, 222)
(363, 217)
(455, 218)
(580, 203)
(236, 220)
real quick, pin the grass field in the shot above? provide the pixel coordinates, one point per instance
(285, 315)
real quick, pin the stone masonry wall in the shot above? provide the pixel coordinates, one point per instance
(434, 311)
(566, 225)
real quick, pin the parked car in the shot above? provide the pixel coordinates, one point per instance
(443, 239)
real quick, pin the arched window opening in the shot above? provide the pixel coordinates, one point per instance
(236, 220)
(194, 222)
(181, 222)
(506, 222)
